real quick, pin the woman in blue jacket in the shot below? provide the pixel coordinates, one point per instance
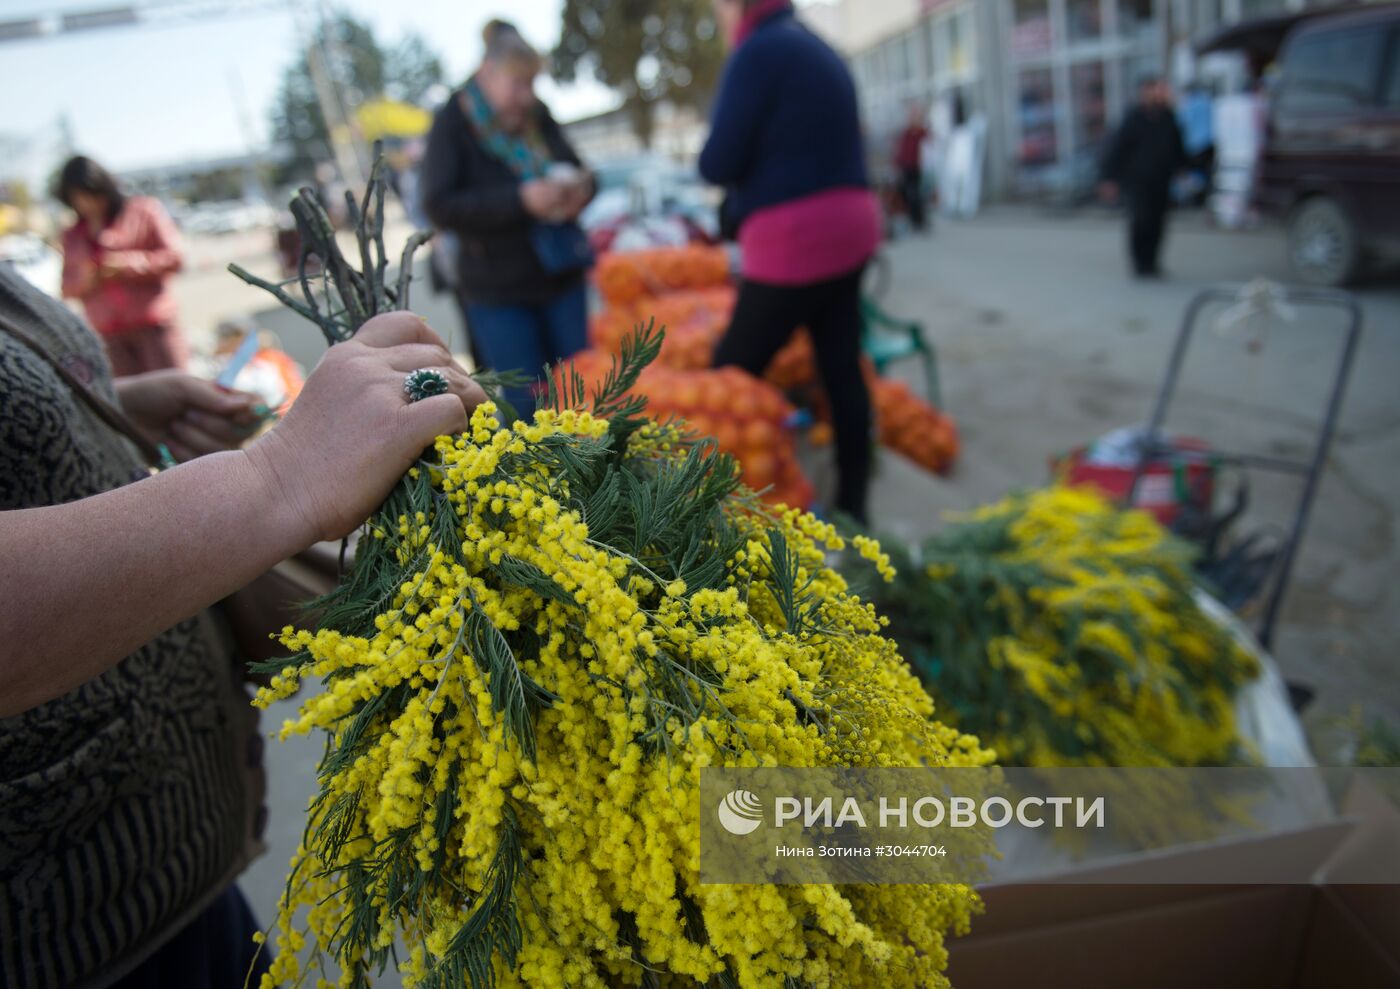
(786, 144)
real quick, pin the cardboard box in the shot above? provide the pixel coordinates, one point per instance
(1333, 933)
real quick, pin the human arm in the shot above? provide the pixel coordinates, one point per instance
(740, 111)
(160, 255)
(79, 271)
(190, 416)
(579, 192)
(88, 582)
(1115, 152)
(1112, 162)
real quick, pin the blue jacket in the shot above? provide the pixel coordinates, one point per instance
(786, 123)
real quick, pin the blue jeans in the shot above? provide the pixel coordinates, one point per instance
(527, 337)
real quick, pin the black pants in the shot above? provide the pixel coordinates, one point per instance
(215, 951)
(1147, 223)
(766, 316)
(911, 190)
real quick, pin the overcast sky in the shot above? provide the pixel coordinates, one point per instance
(138, 96)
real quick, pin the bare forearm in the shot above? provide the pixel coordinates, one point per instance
(87, 583)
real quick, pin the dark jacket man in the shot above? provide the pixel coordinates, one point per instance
(1140, 161)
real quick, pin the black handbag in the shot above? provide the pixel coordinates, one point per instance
(561, 247)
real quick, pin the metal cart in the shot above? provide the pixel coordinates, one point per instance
(1261, 300)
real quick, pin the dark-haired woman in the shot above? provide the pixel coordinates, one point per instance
(785, 142)
(118, 258)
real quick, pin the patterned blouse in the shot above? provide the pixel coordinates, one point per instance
(129, 803)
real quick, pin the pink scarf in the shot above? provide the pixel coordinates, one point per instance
(756, 15)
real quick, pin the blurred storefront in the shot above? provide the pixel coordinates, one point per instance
(1050, 76)
(678, 133)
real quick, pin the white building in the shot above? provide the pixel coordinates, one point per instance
(678, 133)
(1051, 76)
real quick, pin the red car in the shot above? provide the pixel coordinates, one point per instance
(1331, 160)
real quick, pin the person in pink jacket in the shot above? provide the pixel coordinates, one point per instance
(118, 258)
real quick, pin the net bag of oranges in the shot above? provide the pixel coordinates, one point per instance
(695, 320)
(624, 277)
(913, 427)
(749, 419)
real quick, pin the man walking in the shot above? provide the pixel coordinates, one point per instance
(908, 162)
(1141, 159)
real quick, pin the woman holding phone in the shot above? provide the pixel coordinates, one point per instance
(118, 258)
(500, 175)
(786, 144)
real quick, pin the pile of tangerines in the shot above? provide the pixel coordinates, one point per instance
(624, 277)
(688, 291)
(747, 417)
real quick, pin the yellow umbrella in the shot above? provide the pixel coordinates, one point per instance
(388, 118)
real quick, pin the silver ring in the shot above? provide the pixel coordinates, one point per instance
(424, 383)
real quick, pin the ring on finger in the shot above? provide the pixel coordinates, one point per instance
(424, 383)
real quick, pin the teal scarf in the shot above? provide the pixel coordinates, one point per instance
(526, 153)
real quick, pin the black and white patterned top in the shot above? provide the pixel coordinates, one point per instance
(126, 805)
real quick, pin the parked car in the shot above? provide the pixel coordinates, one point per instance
(1331, 161)
(234, 216)
(648, 200)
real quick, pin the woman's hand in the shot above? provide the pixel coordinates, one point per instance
(82, 280)
(352, 432)
(544, 199)
(577, 195)
(110, 271)
(189, 415)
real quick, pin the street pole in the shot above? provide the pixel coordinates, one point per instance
(245, 124)
(330, 51)
(346, 162)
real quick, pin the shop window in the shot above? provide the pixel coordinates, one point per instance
(1332, 72)
(1136, 21)
(898, 58)
(1252, 9)
(931, 65)
(1084, 19)
(1090, 105)
(1031, 33)
(942, 48)
(1036, 115)
(963, 30)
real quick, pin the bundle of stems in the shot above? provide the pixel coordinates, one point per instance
(334, 295)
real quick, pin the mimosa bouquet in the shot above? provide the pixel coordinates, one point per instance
(1066, 631)
(547, 631)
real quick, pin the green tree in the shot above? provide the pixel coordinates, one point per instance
(356, 68)
(646, 50)
(217, 186)
(412, 69)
